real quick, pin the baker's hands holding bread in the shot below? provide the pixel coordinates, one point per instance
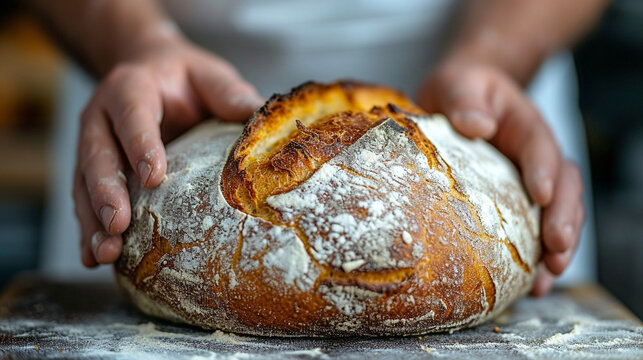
(152, 75)
(482, 101)
(150, 95)
(177, 83)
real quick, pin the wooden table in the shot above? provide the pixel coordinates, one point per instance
(44, 318)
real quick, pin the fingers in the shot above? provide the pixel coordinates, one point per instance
(86, 218)
(122, 122)
(544, 282)
(562, 219)
(524, 137)
(464, 101)
(557, 262)
(482, 102)
(223, 91)
(133, 104)
(96, 245)
(562, 222)
(102, 172)
(565, 212)
(123, 114)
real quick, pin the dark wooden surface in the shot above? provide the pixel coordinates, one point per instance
(43, 318)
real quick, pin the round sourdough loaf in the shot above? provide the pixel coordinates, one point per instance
(340, 209)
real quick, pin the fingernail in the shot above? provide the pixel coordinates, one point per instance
(107, 215)
(144, 171)
(246, 101)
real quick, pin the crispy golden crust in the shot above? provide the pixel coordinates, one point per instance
(293, 134)
(333, 214)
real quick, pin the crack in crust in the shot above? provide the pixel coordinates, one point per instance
(279, 156)
(291, 154)
(148, 267)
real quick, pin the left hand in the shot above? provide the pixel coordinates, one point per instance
(121, 129)
(482, 101)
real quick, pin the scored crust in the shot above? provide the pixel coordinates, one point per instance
(294, 134)
(342, 209)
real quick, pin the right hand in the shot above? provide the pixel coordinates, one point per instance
(482, 100)
(149, 97)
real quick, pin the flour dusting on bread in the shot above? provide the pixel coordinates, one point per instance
(340, 209)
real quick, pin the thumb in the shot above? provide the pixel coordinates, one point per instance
(464, 102)
(225, 94)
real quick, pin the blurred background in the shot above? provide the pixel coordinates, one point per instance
(33, 79)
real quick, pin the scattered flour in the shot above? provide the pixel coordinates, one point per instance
(291, 259)
(337, 235)
(552, 327)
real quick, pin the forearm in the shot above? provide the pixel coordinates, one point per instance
(517, 35)
(100, 33)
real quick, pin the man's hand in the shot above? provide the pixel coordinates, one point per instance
(481, 101)
(149, 97)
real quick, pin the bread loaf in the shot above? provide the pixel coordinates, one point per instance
(339, 209)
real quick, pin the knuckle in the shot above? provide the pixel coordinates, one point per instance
(236, 88)
(556, 241)
(141, 145)
(130, 112)
(123, 77)
(143, 140)
(556, 238)
(103, 190)
(95, 153)
(90, 142)
(559, 237)
(121, 72)
(556, 263)
(242, 86)
(224, 67)
(88, 151)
